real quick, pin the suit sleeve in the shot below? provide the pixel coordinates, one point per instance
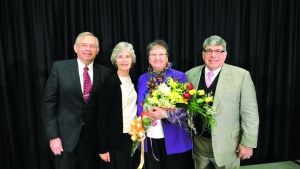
(249, 113)
(50, 105)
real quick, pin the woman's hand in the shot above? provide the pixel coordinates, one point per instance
(157, 113)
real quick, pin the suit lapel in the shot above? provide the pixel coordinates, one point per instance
(196, 77)
(96, 76)
(223, 83)
(74, 74)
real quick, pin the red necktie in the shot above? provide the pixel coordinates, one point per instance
(87, 84)
(209, 79)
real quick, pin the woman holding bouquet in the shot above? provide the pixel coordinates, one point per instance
(167, 145)
(117, 110)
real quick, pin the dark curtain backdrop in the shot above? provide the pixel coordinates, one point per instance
(262, 37)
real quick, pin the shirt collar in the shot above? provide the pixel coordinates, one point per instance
(215, 71)
(81, 65)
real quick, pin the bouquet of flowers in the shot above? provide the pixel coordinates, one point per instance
(138, 128)
(200, 103)
(170, 97)
(180, 100)
(166, 95)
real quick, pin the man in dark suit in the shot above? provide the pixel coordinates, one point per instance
(237, 121)
(70, 119)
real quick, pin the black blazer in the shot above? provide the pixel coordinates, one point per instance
(65, 111)
(110, 121)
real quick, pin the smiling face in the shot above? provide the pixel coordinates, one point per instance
(124, 61)
(214, 60)
(158, 58)
(86, 49)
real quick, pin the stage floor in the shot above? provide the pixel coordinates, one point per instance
(278, 165)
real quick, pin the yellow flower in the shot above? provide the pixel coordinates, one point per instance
(153, 100)
(182, 100)
(173, 97)
(155, 93)
(172, 83)
(201, 92)
(192, 92)
(209, 99)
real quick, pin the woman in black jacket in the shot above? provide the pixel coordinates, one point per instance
(117, 110)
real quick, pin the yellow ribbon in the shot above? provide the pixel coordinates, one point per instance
(138, 134)
(142, 155)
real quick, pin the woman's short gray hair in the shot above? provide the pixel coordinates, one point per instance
(121, 46)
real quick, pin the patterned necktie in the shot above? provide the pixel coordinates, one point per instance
(87, 84)
(209, 79)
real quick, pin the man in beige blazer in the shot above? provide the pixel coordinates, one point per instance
(235, 134)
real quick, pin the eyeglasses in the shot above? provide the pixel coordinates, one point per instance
(160, 55)
(209, 51)
(84, 45)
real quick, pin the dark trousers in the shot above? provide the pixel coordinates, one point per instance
(121, 158)
(157, 157)
(82, 157)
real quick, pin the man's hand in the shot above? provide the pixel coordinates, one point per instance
(105, 157)
(56, 146)
(244, 152)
